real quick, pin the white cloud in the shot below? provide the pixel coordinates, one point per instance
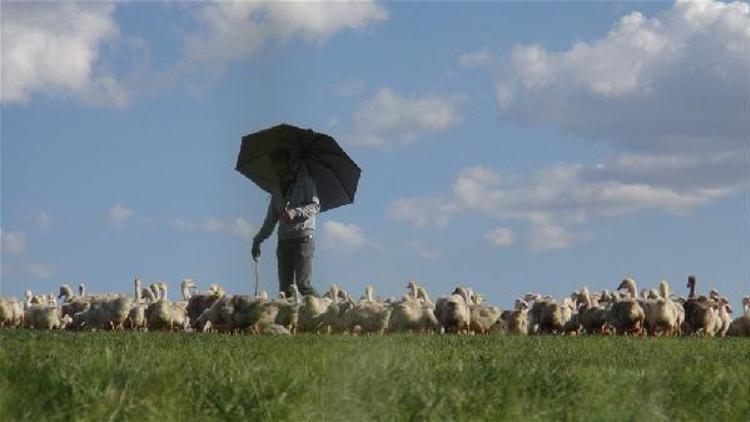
(500, 236)
(349, 87)
(548, 198)
(423, 211)
(53, 49)
(213, 225)
(549, 236)
(233, 31)
(119, 215)
(240, 227)
(344, 236)
(181, 223)
(56, 49)
(675, 83)
(475, 59)
(391, 119)
(13, 243)
(668, 94)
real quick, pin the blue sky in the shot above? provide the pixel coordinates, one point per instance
(511, 147)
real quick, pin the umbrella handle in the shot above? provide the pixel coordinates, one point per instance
(257, 275)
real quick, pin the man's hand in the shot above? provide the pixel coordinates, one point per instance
(288, 215)
(255, 251)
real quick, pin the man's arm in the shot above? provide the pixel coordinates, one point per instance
(308, 210)
(268, 225)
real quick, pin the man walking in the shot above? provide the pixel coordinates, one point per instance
(293, 205)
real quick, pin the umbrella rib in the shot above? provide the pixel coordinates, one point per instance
(341, 182)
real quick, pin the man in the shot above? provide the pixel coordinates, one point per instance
(293, 205)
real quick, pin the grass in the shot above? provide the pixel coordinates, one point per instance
(153, 376)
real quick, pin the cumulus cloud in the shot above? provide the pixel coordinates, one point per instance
(53, 49)
(500, 236)
(675, 83)
(548, 236)
(119, 215)
(565, 194)
(13, 243)
(344, 236)
(423, 211)
(392, 119)
(668, 94)
(233, 31)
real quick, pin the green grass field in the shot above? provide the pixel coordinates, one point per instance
(126, 376)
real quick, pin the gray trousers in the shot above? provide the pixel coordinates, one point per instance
(295, 264)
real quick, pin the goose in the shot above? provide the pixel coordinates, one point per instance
(309, 319)
(699, 315)
(368, 316)
(593, 315)
(288, 314)
(453, 311)
(626, 315)
(163, 314)
(11, 312)
(517, 323)
(199, 302)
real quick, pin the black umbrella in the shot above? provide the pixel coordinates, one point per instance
(334, 173)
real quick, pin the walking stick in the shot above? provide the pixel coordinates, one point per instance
(257, 275)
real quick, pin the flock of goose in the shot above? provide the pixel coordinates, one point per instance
(625, 311)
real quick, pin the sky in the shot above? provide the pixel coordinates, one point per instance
(511, 147)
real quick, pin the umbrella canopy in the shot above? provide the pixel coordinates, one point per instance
(334, 173)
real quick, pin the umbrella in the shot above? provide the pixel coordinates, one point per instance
(333, 171)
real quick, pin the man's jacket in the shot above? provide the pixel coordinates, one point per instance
(302, 199)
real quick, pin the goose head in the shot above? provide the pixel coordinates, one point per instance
(532, 297)
(333, 292)
(295, 293)
(148, 294)
(713, 294)
(65, 291)
(629, 285)
(664, 289)
(162, 288)
(185, 287)
(422, 294)
(521, 305)
(137, 288)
